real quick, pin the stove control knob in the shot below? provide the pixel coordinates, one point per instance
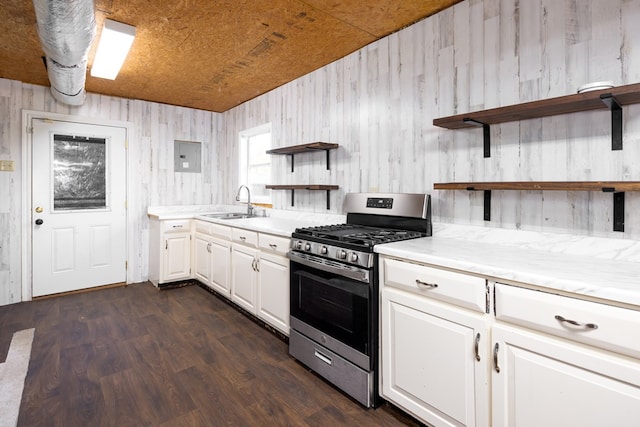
(354, 257)
(299, 245)
(307, 247)
(324, 250)
(342, 254)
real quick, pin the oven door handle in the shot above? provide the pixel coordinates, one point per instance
(359, 275)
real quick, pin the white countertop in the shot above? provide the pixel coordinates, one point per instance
(277, 222)
(278, 226)
(598, 268)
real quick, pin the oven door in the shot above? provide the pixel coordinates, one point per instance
(337, 307)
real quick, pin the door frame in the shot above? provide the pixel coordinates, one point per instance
(27, 208)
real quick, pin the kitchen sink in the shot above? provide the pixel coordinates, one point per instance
(227, 215)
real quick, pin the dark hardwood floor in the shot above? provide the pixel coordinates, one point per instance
(137, 356)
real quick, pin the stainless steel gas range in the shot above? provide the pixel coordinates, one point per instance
(334, 288)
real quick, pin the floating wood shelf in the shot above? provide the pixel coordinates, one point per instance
(611, 99)
(607, 186)
(616, 187)
(305, 148)
(312, 187)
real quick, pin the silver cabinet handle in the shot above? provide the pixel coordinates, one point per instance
(253, 264)
(176, 226)
(243, 238)
(574, 323)
(209, 247)
(273, 245)
(477, 344)
(495, 357)
(166, 244)
(428, 285)
(257, 265)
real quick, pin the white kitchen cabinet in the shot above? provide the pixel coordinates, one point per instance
(176, 258)
(221, 266)
(434, 355)
(212, 256)
(202, 257)
(548, 381)
(273, 281)
(562, 361)
(169, 250)
(244, 259)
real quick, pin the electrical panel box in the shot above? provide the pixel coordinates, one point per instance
(186, 156)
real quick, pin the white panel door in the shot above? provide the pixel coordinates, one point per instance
(243, 276)
(220, 266)
(433, 360)
(545, 381)
(78, 206)
(273, 290)
(202, 261)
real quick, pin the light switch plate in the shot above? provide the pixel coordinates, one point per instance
(7, 166)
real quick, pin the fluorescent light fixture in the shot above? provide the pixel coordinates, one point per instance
(115, 41)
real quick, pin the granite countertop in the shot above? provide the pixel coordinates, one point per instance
(597, 268)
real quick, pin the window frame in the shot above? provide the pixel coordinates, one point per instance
(244, 138)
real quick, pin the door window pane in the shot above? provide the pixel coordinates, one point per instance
(79, 173)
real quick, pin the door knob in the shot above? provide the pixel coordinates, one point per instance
(39, 221)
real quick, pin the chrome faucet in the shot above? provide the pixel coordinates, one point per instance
(249, 205)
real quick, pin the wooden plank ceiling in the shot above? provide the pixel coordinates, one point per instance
(215, 55)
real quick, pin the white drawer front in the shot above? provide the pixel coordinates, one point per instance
(600, 325)
(176, 226)
(456, 288)
(277, 244)
(221, 231)
(202, 227)
(246, 237)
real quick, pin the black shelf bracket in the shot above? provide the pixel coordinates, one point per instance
(310, 149)
(486, 203)
(618, 207)
(486, 130)
(293, 195)
(616, 120)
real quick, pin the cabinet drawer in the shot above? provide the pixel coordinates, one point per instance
(221, 231)
(176, 226)
(246, 237)
(270, 243)
(600, 325)
(202, 227)
(456, 288)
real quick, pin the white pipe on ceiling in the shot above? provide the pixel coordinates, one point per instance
(66, 29)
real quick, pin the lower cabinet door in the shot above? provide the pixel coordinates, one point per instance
(539, 380)
(243, 276)
(273, 290)
(221, 266)
(176, 260)
(202, 261)
(429, 360)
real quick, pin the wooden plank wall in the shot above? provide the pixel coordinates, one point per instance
(379, 103)
(150, 152)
